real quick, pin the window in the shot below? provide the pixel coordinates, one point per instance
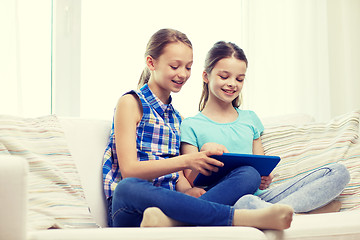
(25, 59)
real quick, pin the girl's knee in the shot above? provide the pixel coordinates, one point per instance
(253, 174)
(342, 172)
(250, 174)
(337, 174)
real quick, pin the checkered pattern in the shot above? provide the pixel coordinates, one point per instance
(157, 137)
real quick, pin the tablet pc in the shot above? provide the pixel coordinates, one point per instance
(262, 163)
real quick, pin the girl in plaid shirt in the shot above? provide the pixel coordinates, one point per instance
(142, 171)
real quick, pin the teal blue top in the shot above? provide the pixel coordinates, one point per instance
(236, 136)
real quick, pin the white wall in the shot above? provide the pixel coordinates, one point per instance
(114, 36)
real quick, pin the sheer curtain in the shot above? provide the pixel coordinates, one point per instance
(25, 57)
(294, 50)
(8, 58)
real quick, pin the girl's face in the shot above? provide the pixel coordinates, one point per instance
(226, 80)
(173, 68)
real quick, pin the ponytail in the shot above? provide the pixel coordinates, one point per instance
(144, 78)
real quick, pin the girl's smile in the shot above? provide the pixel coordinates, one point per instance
(179, 83)
(229, 92)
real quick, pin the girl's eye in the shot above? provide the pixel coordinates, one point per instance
(188, 68)
(174, 67)
(240, 80)
(223, 77)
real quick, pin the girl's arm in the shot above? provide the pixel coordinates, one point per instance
(258, 147)
(259, 150)
(127, 116)
(186, 148)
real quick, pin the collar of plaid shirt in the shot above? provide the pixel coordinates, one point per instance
(153, 100)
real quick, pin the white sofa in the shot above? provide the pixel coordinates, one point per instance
(86, 141)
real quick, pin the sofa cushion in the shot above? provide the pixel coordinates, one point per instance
(56, 198)
(326, 226)
(287, 119)
(13, 197)
(305, 147)
(165, 233)
(87, 140)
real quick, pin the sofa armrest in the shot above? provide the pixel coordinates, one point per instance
(13, 197)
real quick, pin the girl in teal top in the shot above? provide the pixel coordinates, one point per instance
(221, 125)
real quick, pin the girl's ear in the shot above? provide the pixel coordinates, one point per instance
(205, 77)
(150, 62)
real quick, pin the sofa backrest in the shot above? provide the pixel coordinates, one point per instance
(87, 140)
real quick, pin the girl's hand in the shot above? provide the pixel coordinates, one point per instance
(195, 192)
(201, 162)
(214, 146)
(266, 181)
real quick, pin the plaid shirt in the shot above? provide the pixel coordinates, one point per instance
(157, 137)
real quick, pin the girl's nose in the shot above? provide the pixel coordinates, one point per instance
(231, 82)
(182, 74)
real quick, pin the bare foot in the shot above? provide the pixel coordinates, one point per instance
(333, 206)
(277, 217)
(154, 217)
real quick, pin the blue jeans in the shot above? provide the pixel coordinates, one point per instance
(132, 196)
(305, 193)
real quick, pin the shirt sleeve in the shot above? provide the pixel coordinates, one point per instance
(188, 134)
(258, 126)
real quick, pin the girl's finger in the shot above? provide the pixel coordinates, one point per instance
(215, 162)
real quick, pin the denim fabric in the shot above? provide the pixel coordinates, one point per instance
(239, 182)
(109, 211)
(305, 193)
(132, 196)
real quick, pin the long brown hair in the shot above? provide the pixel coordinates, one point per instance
(219, 51)
(156, 45)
